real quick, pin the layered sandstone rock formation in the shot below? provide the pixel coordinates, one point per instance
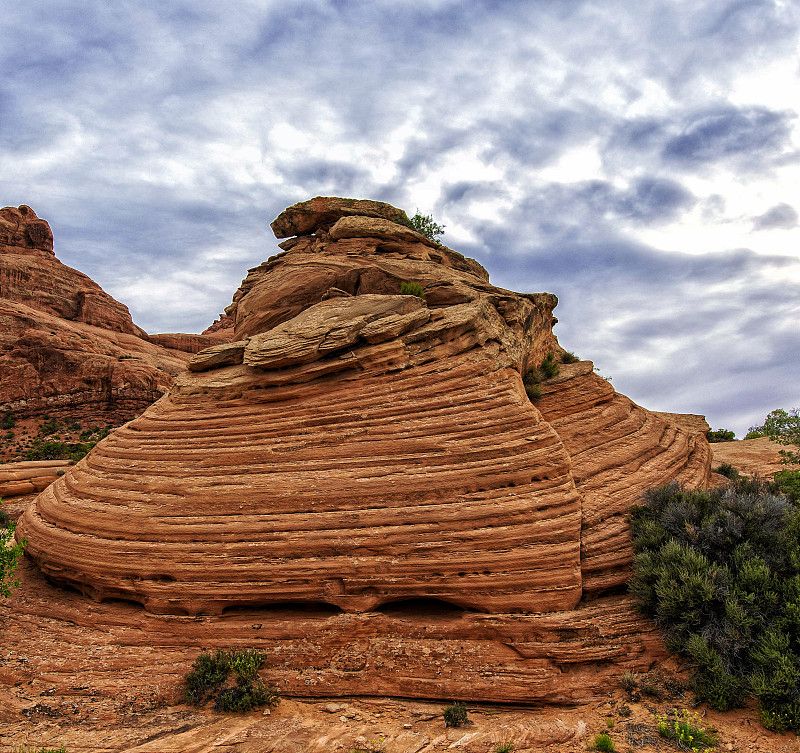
(66, 346)
(27, 477)
(356, 447)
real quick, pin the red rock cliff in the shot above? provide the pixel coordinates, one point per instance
(66, 346)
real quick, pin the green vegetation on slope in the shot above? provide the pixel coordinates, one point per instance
(719, 572)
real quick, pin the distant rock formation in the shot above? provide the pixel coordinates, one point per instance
(355, 447)
(66, 346)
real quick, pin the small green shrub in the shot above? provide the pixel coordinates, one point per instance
(424, 223)
(209, 676)
(727, 470)
(568, 357)
(455, 715)
(8, 421)
(549, 366)
(533, 391)
(245, 697)
(754, 434)
(412, 288)
(685, 729)
(720, 435)
(604, 742)
(504, 748)
(208, 672)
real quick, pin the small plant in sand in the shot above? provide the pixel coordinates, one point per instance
(604, 742)
(686, 730)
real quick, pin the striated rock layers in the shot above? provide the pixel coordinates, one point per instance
(65, 344)
(356, 447)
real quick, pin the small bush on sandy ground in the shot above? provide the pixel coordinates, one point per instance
(686, 730)
(604, 742)
(455, 715)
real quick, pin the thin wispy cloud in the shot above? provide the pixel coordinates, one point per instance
(642, 162)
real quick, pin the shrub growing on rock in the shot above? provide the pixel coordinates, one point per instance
(727, 470)
(719, 572)
(549, 366)
(208, 679)
(412, 288)
(424, 223)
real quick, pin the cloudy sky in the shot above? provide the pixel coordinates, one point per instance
(640, 160)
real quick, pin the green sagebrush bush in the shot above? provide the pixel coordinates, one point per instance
(719, 572)
(208, 680)
(455, 715)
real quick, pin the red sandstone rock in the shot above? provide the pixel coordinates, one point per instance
(29, 476)
(65, 344)
(355, 447)
(189, 343)
(305, 217)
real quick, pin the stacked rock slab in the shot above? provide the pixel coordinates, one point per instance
(355, 447)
